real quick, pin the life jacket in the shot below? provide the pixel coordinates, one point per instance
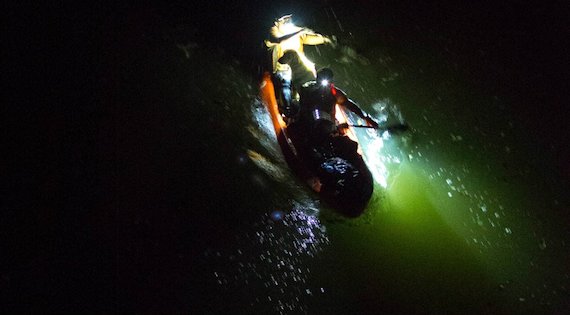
(317, 110)
(317, 102)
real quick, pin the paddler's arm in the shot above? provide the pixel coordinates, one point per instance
(343, 100)
(310, 38)
(270, 44)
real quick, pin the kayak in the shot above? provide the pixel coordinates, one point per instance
(337, 171)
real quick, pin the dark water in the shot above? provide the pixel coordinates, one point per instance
(161, 188)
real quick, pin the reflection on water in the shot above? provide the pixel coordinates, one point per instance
(270, 262)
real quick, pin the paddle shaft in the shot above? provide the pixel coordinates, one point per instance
(399, 127)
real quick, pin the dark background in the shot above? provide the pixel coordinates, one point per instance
(63, 197)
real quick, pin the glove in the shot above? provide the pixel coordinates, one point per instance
(343, 126)
(332, 41)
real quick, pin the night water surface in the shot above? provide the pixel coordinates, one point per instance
(470, 209)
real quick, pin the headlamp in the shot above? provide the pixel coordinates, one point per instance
(288, 28)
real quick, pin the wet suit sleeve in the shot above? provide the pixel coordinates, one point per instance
(311, 38)
(343, 100)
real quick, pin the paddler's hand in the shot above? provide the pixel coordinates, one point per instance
(342, 126)
(332, 41)
(371, 122)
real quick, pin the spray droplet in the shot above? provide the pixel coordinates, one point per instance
(277, 215)
(542, 244)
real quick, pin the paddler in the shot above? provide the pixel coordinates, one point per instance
(285, 35)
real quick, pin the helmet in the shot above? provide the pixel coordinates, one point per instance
(284, 26)
(284, 19)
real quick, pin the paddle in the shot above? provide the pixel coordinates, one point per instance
(393, 128)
